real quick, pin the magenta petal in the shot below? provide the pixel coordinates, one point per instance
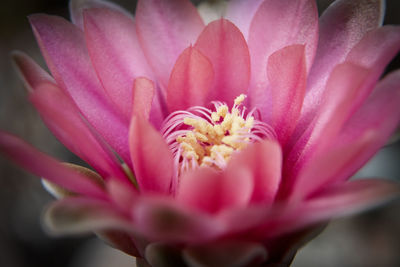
(162, 219)
(64, 120)
(76, 8)
(77, 215)
(151, 158)
(143, 97)
(64, 49)
(224, 44)
(124, 196)
(277, 24)
(165, 28)
(44, 166)
(342, 26)
(264, 162)
(30, 72)
(242, 19)
(109, 36)
(190, 82)
(210, 191)
(286, 71)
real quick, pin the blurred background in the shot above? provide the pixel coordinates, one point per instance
(369, 239)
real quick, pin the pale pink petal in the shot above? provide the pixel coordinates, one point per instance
(163, 219)
(383, 113)
(226, 253)
(44, 166)
(30, 72)
(347, 85)
(143, 97)
(264, 162)
(151, 158)
(190, 82)
(329, 166)
(235, 13)
(76, 8)
(277, 24)
(64, 120)
(335, 201)
(224, 44)
(165, 28)
(376, 49)
(63, 46)
(342, 26)
(115, 53)
(210, 191)
(286, 71)
(77, 215)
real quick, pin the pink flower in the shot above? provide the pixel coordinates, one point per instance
(219, 144)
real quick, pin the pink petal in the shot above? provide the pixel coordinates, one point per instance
(151, 157)
(342, 26)
(63, 47)
(277, 24)
(115, 53)
(165, 28)
(347, 85)
(64, 120)
(383, 113)
(263, 160)
(227, 50)
(30, 72)
(242, 19)
(123, 196)
(78, 215)
(191, 80)
(44, 166)
(143, 92)
(336, 201)
(76, 8)
(163, 219)
(330, 165)
(210, 191)
(286, 71)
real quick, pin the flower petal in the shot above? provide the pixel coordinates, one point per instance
(76, 8)
(242, 19)
(119, 240)
(264, 162)
(115, 53)
(228, 253)
(165, 28)
(348, 84)
(210, 191)
(30, 72)
(143, 97)
(163, 219)
(77, 215)
(277, 24)
(286, 71)
(153, 173)
(45, 166)
(223, 43)
(65, 121)
(63, 47)
(342, 26)
(190, 82)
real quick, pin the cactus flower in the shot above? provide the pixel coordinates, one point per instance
(226, 144)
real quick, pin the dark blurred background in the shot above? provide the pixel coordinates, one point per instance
(370, 239)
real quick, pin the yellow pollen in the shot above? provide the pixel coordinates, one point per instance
(213, 143)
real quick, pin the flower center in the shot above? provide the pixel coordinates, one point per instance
(201, 137)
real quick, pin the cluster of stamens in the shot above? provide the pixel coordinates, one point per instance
(200, 137)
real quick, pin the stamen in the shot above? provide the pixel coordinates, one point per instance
(200, 137)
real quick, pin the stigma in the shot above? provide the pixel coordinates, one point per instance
(201, 137)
